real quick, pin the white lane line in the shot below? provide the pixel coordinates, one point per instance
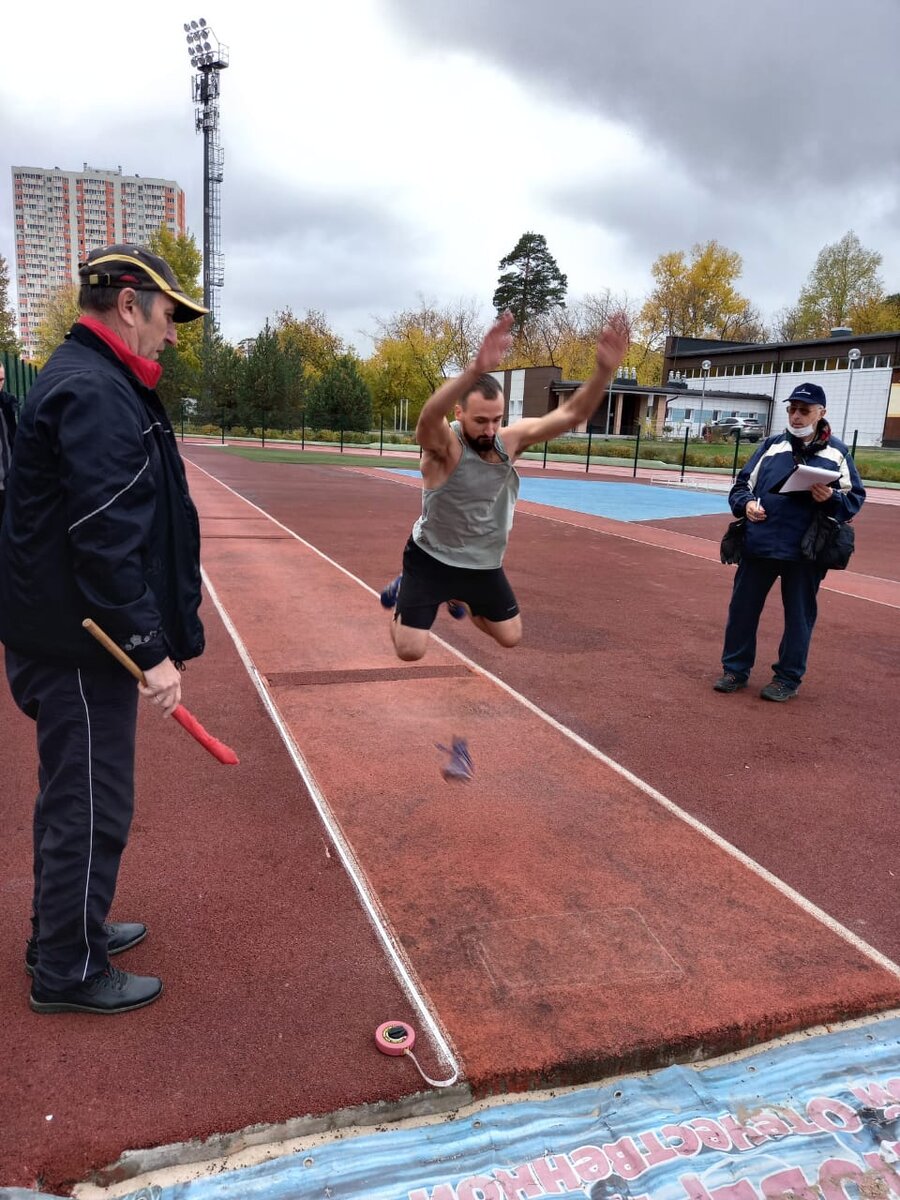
(705, 831)
(395, 955)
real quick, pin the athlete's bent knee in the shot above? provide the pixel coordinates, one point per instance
(508, 636)
(410, 653)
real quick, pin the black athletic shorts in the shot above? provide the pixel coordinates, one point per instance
(428, 583)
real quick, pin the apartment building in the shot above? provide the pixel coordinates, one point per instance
(61, 216)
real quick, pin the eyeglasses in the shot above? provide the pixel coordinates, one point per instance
(804, 409)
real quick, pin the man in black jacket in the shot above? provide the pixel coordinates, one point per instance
(7, 434)
(100, 524)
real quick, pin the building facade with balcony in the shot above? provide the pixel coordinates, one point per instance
(60, 216)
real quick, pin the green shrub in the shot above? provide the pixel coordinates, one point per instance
(352, 437)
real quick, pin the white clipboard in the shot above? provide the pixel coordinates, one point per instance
(804, 479)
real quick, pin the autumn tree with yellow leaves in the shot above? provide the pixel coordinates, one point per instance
(697, 297)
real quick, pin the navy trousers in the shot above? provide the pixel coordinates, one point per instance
(752, 584)
(86, 719)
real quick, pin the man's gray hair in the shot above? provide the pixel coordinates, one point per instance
(103, 299)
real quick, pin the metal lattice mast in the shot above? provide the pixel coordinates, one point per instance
(209, 57)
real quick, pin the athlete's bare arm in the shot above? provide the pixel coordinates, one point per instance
(440, 446)
(611, 347)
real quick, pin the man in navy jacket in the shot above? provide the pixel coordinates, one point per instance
(775, 524)
(100, 524)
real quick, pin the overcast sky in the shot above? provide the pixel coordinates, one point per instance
(378, 150)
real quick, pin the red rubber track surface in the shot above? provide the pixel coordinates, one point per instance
(562, 923)
(274, 981)
(622, 643)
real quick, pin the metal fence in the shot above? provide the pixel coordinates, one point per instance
(20, 375)
(693, 461)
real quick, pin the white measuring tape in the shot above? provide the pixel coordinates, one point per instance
(396, 1038)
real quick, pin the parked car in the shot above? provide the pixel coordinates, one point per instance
(749, 427)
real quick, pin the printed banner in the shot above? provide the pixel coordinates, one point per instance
(817, 1119)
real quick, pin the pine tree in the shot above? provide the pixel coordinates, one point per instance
(340, 398)
(8, 339)
(533, 283)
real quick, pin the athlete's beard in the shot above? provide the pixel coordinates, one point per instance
(482, 444)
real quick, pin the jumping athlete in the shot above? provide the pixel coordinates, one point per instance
(454, 555)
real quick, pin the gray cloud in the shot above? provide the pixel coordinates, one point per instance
(763, 94)
(347, 256)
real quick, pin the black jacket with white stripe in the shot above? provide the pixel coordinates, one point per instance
(788, 515)
(99, 521)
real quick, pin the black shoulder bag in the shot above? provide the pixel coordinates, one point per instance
(731, 549)
(828, 543)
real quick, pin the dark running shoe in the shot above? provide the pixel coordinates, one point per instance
(779, 691)
(112, 991)
(729, 683)
(122, 936)
(390, 593)
(456, 609)
(460, 765)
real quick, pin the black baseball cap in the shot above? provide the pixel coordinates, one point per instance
(135, 267)
(807, 393)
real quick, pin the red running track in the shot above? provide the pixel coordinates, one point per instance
(561, 922)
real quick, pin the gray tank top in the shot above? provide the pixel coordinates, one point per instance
(466, 521)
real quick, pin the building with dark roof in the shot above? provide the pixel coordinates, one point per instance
(707, 379)
(859, 373)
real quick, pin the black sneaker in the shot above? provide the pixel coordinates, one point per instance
(391, 592)
(112, 991)
(779, 691)
(729, 682)
(122, 936)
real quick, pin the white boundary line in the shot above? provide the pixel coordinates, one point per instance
(335, 833)
(704, 830)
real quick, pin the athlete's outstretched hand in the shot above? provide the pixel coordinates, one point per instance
(612, 344)
(496, 344)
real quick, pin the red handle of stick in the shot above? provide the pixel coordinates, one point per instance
(184, 718)
(217, 749)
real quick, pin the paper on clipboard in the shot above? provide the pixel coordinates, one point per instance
(804, 479)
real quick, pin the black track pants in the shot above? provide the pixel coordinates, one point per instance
(86, 718)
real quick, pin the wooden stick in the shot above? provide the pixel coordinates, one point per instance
(116, 651)
(185, 719)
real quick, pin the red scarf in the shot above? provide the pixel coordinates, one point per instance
(147, 371)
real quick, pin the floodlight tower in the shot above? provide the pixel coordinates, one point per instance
(208, 58)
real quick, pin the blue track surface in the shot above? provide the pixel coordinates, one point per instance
(620, 501)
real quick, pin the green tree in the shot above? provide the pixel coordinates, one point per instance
(843, 288)
(61, 314)
(531, 283)
(416, 350)
(339, 398)
(392, 375)
(222, 378)
(8, 339)
(262, 392)
(182, 365)
(183, 256)
(311, 340)
(698, 298)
